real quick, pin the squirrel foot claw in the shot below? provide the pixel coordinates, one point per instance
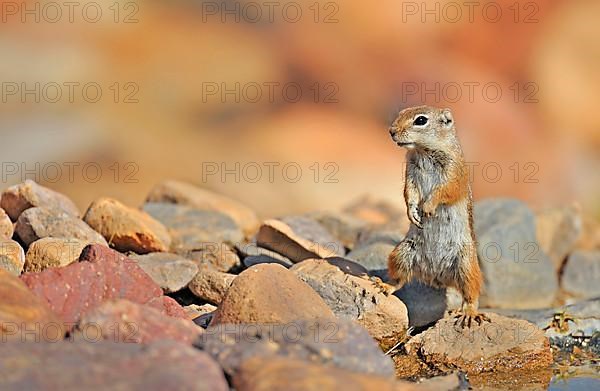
(465, 319)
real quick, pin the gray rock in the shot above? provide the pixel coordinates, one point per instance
(558, 230)
(342, 226)
(100, 365)
(258, 259)
(390, 234)
(425, 304)
(581, 274)
(253, 250)
(516, 271)
(348, 266)
(338, 343)
(36, 223)
(374, 257)
(192, 228)
(310, 229)
(171, 272)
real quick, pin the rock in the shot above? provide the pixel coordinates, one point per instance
(311, 230)
(220, 255)
(332, 343)
(277, 236)
(163, 365)
(283, 374)
(249, 250)
(342, 226)
(12, 256)
(102, 274)
(557, 232)
(29, 194)
(374, 258)
(171, 272)
(509, 253)
(354, 298)
(425, 304)
(581, 274)
(348, 266)
(270, 293)
(194, 311)
(37, 223)
(127, 229)
(210, 284)
(377, 212)
(391, 234)
(23, 315)
(6, 226)
(257, 260)
(190, 195)
(52, 252)
(501, 345)
(192, 229)
(126, 321)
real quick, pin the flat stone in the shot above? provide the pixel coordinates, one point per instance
(127, 229)
(343, 226)
(12, 256)
(257, 260)
(385, 317)
(581, 274)
(52, 252)
(171, 272)
(510, 254)
(557, 230)
(278, 374)
(210, 284)
(313, 231)
(37, 223)
(6, 226)
(502, 345)
(277, 236)
(194, 229)
(163, 365)
(270, 293)
(23, 315)
(186, 194)
(129, 322)
(253, 250)
(391, 234)
(29, 194)
(331, 343)
(101, 274)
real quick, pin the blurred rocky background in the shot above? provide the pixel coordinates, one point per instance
(338, 72)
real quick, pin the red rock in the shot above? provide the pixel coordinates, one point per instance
(23, 315)
(126, 321)
(102, 274)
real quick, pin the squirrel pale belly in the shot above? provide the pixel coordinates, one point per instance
(439, 248)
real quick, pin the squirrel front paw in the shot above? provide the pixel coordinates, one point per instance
(414, 215)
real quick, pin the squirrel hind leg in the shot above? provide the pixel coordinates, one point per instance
(469, 285)
(400, 263)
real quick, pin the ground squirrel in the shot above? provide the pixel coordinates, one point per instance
(439, 248)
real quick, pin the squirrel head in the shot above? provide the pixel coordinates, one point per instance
(423, 127)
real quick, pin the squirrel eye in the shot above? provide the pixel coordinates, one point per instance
(420, 120)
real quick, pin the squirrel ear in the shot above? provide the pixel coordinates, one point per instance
(447, 119)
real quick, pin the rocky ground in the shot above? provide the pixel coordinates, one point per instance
(194, 291)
